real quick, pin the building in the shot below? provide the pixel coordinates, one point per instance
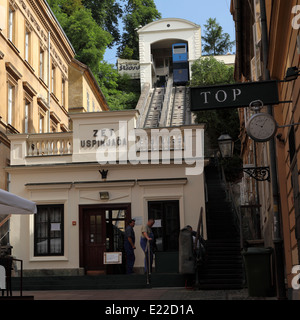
(85, 197)
(84, 92)
(38, 77)
(86, 194)
(267, 45)
(155, 46)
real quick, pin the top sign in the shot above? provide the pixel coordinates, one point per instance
(234, 95)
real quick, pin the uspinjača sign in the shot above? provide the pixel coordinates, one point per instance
(234, 95)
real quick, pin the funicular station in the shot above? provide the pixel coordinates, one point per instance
(85, 198)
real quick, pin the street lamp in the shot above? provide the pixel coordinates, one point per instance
(226, 145)
(292, 74)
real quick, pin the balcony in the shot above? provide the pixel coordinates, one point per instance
(28, 149)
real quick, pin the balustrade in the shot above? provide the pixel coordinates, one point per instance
(51, 144)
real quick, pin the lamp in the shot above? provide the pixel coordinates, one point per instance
(292, 74)
(226, 145)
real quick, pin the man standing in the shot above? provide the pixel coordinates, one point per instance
(147, 244)
(129, 245)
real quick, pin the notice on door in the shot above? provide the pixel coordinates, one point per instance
(112, 257)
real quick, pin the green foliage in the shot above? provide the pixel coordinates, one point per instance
(209, 71)
(87, 37)
(90, 42)
(215, 41)
(121, 91)
(138, 13)
(106, 13)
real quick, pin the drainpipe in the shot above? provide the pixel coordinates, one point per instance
(49, 81)
(277, 239)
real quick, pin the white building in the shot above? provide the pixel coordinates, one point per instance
(82, 214)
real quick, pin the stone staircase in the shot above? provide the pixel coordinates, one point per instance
(223, 268)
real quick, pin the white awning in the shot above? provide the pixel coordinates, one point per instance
(13, 204)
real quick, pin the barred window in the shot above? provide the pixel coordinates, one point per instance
(48, 230)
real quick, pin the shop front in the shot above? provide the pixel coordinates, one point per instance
(85, 197)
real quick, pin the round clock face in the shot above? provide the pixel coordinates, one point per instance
(261, 127)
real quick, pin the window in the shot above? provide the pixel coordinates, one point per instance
(41, 123)
(11, 17)
(27, 45)
(26, 116)
(41, 63)
(88, 101)
(63, 89)
(48, 230)
(53, 79)
(167, 225)
(10, 103)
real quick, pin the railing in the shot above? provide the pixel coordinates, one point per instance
(7, 263)
(50, 144)
(235, 209)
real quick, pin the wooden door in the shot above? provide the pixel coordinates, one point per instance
(93, 239)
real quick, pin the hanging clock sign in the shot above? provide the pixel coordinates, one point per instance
(261, 127)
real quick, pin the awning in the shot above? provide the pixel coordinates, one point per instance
(13, 204)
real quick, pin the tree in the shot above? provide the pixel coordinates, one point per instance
(209, 71)
(87, 37)
(106, 13)
(138, 13)
(215, 41)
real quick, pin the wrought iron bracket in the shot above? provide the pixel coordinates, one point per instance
(258, 173)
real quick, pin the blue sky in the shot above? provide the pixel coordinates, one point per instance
(197, 11)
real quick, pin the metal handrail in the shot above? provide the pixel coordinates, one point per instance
(21, 275)
(234, 207)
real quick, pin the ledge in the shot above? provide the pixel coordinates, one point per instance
(160, 182)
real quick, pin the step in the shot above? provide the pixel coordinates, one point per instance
(100, 282)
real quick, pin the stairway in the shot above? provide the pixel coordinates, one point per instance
(223, 268)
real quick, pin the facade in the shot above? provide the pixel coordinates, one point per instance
(82, 214)
(84, 92)
(112, 167)
(38, 75)
(281, 51)
(156, 39)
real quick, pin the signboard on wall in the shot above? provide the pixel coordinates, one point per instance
(234, 95)
(130, 67)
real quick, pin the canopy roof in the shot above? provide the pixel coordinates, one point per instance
(13, 204)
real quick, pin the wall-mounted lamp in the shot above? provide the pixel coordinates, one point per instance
(226, 145)
(292, 74)
(104, 195)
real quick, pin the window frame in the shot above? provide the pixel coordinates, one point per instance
(11, 24)
(48, 236)
(11, 88)
(41, 63)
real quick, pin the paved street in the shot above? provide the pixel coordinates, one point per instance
(144, 294)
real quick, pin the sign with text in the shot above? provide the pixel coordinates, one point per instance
(130, 67)
(236, 95)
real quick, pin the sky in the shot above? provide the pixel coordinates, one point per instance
(197, 11)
